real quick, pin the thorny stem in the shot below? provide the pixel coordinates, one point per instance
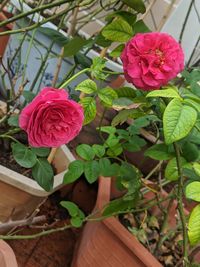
(153, 170)
(49, 50)
(74, 77)
(32, 27)
(32, 11)
(36, 25)
(113, 72)
(9, 137)
(164, 225)
(180, 205)
(65, 227)
(71, 32)
(43, 233)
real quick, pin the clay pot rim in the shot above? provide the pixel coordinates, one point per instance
(119, 230)
(8, 254)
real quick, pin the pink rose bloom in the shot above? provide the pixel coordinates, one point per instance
(51, 119)
(151, 60)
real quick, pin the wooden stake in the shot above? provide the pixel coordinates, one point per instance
(52, 154)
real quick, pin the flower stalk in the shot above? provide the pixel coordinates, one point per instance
(180, 206)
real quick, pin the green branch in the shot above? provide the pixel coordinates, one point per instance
(36, 25)
(43, 233)
(74, 77)
(32, 11)
(180, 206)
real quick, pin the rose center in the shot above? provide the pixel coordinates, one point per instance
(159, 57)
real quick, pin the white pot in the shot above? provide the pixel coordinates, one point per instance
(20, 195)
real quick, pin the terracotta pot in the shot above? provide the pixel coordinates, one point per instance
(7, 256)
(108, 243)
(4, 39)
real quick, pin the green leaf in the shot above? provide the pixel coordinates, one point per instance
(92, 171)
(75, 170)
(77, 215)
(42, 172)
(116, 52)
(23, 155)
(123, 115)
(71, 207)
(29, 96)
(158, 152)
(190, 151)
(115, 150)
(192, 191)
(108, 129)
(140, 27)
(128, 16)
(113, 170)
(74, 46)
(196, 167)
(193, 80)
(102, 41)
(137, 5)
(118, 30)
(76, 222)
(89, 106)
(128, 172)
(194, 226)
(190, 174)
(126, 92)
(131, 147)
(178, 121)
(187, 94)
(141, 122)
(87, 87)
(123, 134)
(14, 120)
(85, 152)
(98, 64)
(107, 95)
(117, 206)
(134, 144)
(82, 60)
(98, 150)
(112, 140)
(122, 102)
(130, 179)
(54, 35)
(104, 165)
(192, 103)
(41, 151)
(170, 93)
(171, 171)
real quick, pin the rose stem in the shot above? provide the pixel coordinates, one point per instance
(34, 10)
(180, 205)
(53, 150)
(71, 32)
